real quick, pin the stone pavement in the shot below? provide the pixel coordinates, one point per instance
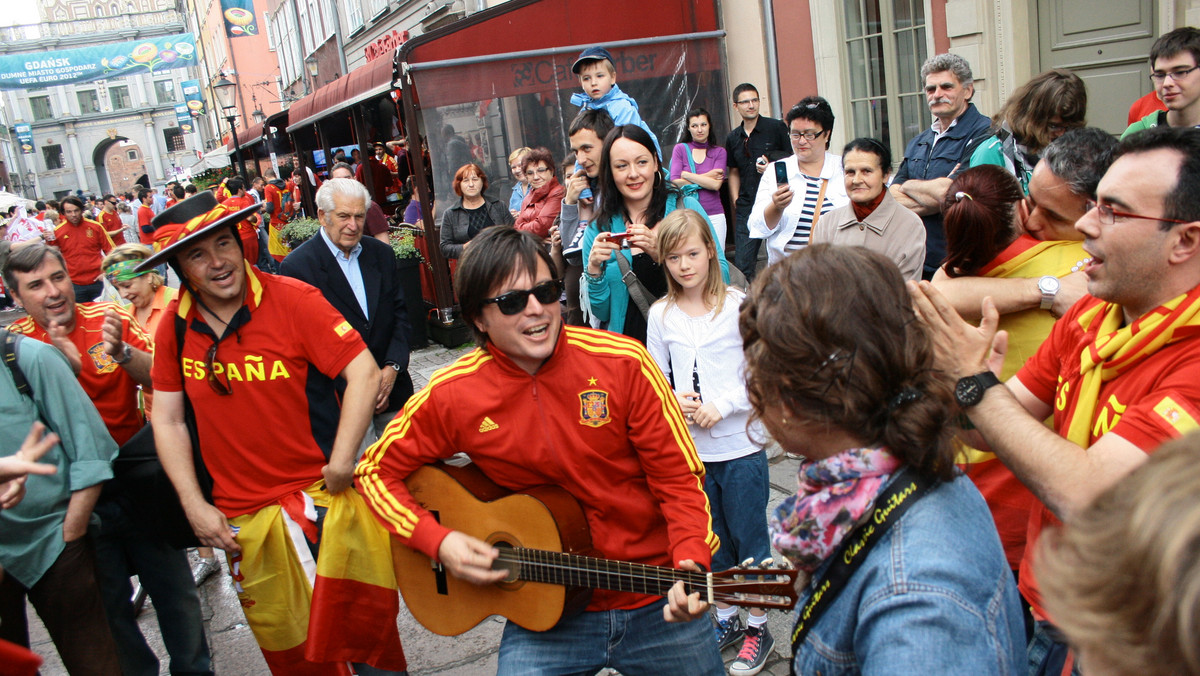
(474, 653)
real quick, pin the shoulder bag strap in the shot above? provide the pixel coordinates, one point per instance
(637, 292)
(820, 201)
(10, 360)
(891, 504)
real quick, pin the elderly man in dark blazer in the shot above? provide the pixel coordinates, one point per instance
(358, 276)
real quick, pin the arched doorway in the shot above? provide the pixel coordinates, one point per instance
(119, 164)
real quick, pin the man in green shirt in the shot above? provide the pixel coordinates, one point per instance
(44, 551)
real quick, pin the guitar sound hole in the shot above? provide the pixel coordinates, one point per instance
(508, 564)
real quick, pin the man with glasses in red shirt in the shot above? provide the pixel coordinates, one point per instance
(111, 220)
(240, 350)
(750, 146)
(1117, 370)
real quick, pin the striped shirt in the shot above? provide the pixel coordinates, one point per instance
(812, 189)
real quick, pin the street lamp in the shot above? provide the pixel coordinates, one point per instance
(31, 184)
(310, 64)
(226, 91)
(259, 116)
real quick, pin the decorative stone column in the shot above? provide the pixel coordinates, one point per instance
(152, 147)
(76, 157)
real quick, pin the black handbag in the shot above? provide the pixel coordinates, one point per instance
(141, 484)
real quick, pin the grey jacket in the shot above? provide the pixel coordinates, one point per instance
(454, 224)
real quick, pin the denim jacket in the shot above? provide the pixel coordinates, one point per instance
(934, 596)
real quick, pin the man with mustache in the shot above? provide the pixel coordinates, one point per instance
(936, 153)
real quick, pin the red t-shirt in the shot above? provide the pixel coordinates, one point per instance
(112, 222)
(83, 246)
(246, 230)
(260, 442)
(145, 214)
(1157, 400)
(271, 196)
(109, 386)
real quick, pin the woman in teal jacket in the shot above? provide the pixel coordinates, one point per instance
(635, 195)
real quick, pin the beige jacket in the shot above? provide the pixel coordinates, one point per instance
(890, 230)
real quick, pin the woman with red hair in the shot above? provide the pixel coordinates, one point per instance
(473, 212)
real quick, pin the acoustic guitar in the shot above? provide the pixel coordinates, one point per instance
(545, 546)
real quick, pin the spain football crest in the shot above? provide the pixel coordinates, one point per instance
(593, 408)
(103, 362)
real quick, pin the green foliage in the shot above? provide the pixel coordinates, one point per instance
(299, 230)
(404, 245)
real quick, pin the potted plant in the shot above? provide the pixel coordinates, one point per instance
(299, 230)
(408, 267)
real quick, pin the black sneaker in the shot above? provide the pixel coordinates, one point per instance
(754, 653)
(728, 631)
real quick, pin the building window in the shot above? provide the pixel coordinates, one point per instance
(119, 96)
(378, 6)
(53, 156)
(174, 138)
(164, 91)
(269, 31)
(88, 102)
(131, 155)
(40, 107)
(884, 47)
(354, 15)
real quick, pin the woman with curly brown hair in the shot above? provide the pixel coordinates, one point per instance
(842, 374)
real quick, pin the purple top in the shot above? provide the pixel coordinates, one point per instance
(715, 159)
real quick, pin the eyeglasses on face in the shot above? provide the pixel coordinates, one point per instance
(1108, 214)
(1159, 77)
(219, 386)
(534, 172)
(806, 135)
(515, 301)
(747, 102)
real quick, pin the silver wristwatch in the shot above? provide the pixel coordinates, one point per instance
(126, 354)
(1049, 286)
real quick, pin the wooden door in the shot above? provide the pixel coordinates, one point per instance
(1105, 42)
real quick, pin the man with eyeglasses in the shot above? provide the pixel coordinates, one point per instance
(539, 403)
(749, 147)
(110, 354)
(242, 351)
(937, 153)
(1173, 64)
(1118, 371)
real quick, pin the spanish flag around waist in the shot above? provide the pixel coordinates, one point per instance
(313, 620)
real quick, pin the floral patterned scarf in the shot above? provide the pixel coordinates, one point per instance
(833, 497)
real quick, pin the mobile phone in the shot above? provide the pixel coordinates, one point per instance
(618, 237)
(780, 173)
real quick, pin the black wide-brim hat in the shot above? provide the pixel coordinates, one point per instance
(188, 221)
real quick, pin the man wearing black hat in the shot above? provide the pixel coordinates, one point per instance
(241, 347)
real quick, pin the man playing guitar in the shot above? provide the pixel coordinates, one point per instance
(542, 404)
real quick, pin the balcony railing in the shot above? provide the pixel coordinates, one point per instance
(27, 36)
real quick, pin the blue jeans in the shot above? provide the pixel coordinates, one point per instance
(86, 293)
(1047, 652)
(123, 550)
(737, 497)
(631, 641)
(745, 255)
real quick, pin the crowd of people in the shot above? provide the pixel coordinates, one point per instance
(975, 359)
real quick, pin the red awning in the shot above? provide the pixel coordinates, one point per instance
(372, 79)
(246, 137)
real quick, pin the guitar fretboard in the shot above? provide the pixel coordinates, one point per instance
(573, 570)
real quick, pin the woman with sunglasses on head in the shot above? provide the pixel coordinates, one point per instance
(785, 212)
(544, 199)
(634, 196)
(473, 212)
(842, 374)
(700, 162)
(874, 218)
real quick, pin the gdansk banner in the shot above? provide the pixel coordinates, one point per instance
(68, 66)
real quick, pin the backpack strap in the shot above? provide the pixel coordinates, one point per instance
(11, 341)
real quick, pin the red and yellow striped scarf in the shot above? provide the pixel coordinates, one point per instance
(1117, 348)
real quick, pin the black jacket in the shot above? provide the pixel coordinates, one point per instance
(387, 332)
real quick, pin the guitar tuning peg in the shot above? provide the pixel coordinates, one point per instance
(747, 563)
(767, 562)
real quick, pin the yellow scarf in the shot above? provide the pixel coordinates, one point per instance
(1116, 349)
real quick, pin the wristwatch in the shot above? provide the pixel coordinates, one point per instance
(969, 391)
(394, 365)
(1049, 286)
(126, 354)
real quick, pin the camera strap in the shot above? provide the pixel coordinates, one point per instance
(892, 503)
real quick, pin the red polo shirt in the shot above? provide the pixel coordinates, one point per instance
(113, 222)
(83, 246)
(246, 230)
(145, 214)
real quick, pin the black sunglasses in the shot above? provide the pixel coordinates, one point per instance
(214, 381)
(515, 301)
